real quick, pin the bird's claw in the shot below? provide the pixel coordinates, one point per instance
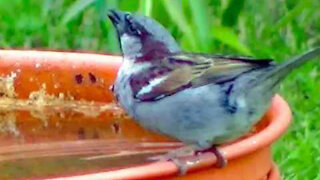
(182, 166)
(161, 158)
(175, 154)
(221, 160)
(181, 162)
(183, 158)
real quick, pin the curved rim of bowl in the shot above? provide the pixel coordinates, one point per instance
(279, 122)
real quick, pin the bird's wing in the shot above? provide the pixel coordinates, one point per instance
(217, 69)
(194, 70)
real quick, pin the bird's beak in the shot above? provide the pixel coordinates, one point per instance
(116, 17)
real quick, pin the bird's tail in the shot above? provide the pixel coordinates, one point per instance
(280, 71)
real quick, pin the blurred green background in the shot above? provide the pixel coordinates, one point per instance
(275, 29)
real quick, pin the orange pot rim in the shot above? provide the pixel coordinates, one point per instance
(279, 122)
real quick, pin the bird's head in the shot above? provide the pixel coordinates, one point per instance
(142, 38)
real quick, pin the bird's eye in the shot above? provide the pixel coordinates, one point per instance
(131, 26)
(128, 17)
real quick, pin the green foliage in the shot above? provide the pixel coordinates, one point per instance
(76, 9)
(228, 37)
(174, 9)
(200, 19)
(231, 14)
(145, 7)
(268, 28)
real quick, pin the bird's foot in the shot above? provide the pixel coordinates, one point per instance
(175, 154)
(177, 157)
(221, 160)
(186, 157)
(185, 164)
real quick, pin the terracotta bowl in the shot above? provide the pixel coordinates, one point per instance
(58, 119)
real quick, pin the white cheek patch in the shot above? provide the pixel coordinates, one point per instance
(131, 46)
(124, 38)
(148, 89)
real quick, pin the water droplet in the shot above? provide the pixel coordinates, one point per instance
(37, 65)
(61, 96)
(13, 75)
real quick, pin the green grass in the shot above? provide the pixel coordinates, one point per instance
(268, 28)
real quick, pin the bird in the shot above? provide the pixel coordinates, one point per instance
(203, 100)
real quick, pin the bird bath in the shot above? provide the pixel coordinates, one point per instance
(58, 119)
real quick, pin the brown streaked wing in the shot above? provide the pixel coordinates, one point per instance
(194, 70)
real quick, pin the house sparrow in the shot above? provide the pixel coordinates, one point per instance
(201, 99)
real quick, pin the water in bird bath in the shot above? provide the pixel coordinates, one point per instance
(47, 135)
